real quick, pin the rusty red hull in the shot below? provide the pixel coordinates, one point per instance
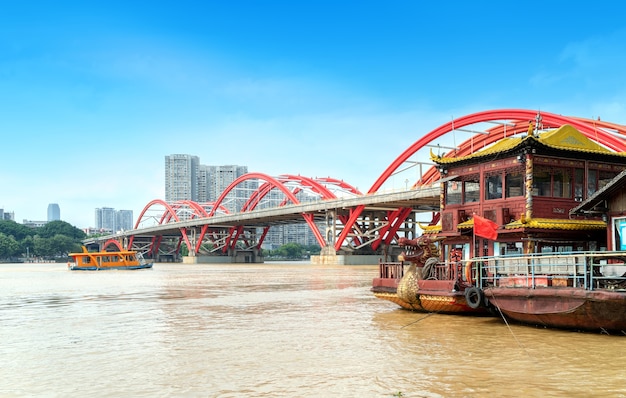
(567, 307)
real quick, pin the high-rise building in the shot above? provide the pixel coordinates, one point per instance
(105, 219)
(181, 177)
(220, 177)
(109, 219)
(124, 220)
(187, 179)
(6, 215)
(54, 212)
(203, 176)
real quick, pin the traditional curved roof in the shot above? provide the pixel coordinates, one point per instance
(430, 229)
(560, 224)
(466, 224)
(565, 138)
(547, 223)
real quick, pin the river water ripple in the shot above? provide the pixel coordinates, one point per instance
(272, 330)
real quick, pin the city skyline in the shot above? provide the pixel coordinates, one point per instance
(186, 178)
(196, 181)
(109, 219)
(93, 97)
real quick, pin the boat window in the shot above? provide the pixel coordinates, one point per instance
(558, 182)
(493, 187)
(605, 177)
(592, 182)
(541, 181)
(579, 180)
(481, 247)
(472, 190)
(597, 179)
(514, 184)
(510, 248)
(561, 183)
(453, 192)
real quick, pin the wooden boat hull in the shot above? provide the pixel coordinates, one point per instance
(408, 289)
(432, 303)
(566, 307)
(432, 296)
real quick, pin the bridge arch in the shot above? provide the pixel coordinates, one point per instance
(112, 242)
(169, 212)
(264, 189)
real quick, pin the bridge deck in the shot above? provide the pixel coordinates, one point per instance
(420, 200)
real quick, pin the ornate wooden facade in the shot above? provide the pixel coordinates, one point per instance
(527, 185)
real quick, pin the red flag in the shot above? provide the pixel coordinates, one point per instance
(485, 228)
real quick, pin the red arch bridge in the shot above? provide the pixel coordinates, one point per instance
(347, 224)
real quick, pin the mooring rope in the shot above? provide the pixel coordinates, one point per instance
(421, 319)
(519, 343)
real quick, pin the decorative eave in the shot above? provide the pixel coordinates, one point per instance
(558, 224)
(430, 229)
(466, 224)
(546, 223)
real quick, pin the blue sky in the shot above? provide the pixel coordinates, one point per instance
(94, 95)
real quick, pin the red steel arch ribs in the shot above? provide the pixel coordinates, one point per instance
(112, 242)
(282, 183)
(224, 240)
(262, 191)
(159, 212)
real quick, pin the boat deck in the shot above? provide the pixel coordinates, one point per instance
(586, 270)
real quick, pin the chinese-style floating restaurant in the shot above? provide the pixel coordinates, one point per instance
(527, 186)
(531, 227)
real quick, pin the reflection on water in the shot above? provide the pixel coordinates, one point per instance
(272, 330)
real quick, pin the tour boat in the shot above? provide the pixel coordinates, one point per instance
(105, 260)
(421, 282)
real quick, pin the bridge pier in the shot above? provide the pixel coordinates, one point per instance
(328, 256)
(345, 259)
(236, 257)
